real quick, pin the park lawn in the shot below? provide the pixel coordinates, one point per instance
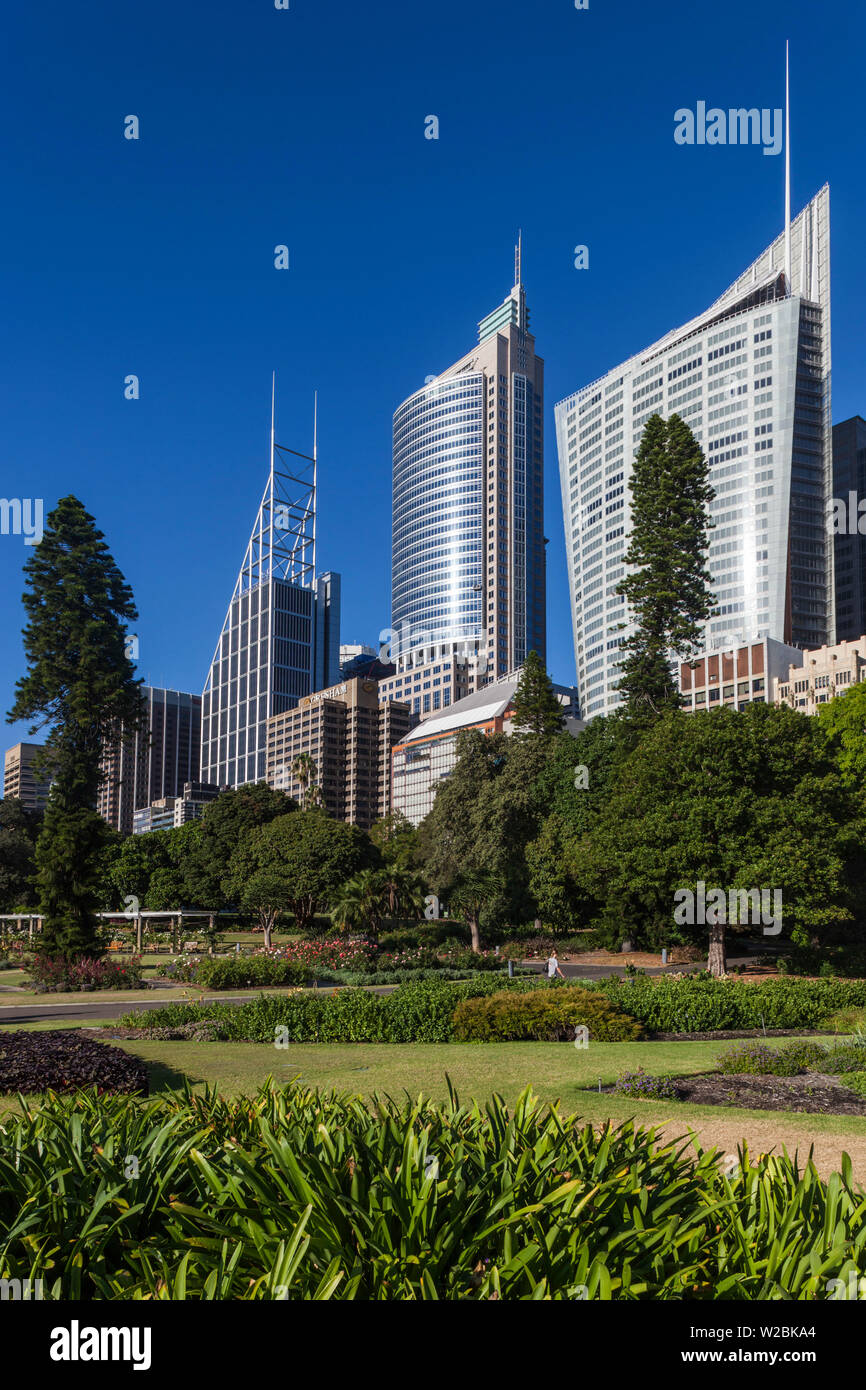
(17, 978)
(556, 1071)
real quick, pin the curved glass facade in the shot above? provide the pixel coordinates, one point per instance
(438, 512)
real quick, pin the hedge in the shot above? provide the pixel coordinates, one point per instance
(235, 972)
(423, 1011)
(549, 1016)
(701, 1004)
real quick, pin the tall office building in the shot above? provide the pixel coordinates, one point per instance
(751, 378)
(849, 485)
(145, 765)
(20, 780)
(468, 559)
(281, 635)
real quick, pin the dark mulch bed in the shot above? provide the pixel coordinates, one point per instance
(812, 1093)
(64, 1060)
(742, 1033)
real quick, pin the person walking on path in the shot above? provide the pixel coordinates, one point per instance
(553, 967)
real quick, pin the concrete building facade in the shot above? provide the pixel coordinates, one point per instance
(144, 766)
(820, 675)
(737, 676)
(21, 781)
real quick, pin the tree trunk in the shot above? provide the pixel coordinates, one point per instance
(717, 962)
(267, 927)
(476, 938)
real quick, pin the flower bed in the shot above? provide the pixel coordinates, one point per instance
(52, 975)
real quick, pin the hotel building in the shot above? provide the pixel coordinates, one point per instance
(20, 780)
(347, 732)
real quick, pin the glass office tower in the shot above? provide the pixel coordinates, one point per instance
(751, 378)
(281, 635)
(468, 547)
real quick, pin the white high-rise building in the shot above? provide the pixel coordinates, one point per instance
(751, 378)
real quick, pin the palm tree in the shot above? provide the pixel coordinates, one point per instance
(304, 771)
(361, 902)
(403, 891)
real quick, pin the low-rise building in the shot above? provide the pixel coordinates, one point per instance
(170, 812)
(736, 676)
(428, 754)
(821, 674)
(335, 750)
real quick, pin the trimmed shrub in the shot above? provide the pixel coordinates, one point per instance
(542, 1016)
(65, 1061)
(236, 972)
(643, 1086)
(701, 1004)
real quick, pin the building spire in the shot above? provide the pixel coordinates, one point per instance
(518, 259)
(787, 172)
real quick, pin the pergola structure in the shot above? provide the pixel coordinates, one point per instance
(176, 917)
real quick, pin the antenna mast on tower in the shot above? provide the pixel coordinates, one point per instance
(787, 171)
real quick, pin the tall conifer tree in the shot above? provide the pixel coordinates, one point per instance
(82, 686)
(669, 591)
(536, 708)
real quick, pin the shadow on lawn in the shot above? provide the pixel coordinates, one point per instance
(165, 1078)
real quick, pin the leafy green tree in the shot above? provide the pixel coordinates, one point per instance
(396, 839)
(732, 800)
(306, 858)
(224, 825)
(558, 900)
(19, 829)
(82, 686)
(485, 813)
(361, 902)
(129, 864)
(843, 722)
(669, 590)
(536, 708)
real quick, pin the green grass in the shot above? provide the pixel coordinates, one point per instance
(556, 1071)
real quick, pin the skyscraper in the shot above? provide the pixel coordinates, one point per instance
(152, 762)
(849, 476)
(468, 560)
(281, 635)
(751, 378)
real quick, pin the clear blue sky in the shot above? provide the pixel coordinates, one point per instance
(306, 127)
